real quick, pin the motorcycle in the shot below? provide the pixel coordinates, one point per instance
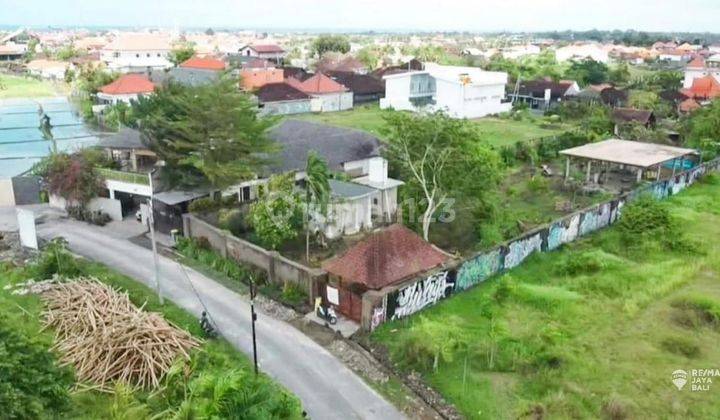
(326, 313)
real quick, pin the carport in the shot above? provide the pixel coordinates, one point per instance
(646, 159)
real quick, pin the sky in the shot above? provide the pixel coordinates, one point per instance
(353, 15)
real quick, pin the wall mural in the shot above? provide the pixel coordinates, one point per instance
(419, 295)
(521, 249)
(430, 290)
(478, 269)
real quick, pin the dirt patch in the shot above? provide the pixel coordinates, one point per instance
(11, 251)
(360, 361)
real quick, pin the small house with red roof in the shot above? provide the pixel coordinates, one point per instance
(128, 87)
(267, 51)
(282, 99)
(386, 258)
(330, 95)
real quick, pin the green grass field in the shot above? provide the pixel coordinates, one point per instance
(594, 330)
(498, 132)
(26, 87)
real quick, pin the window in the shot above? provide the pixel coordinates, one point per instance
(148, 55)
(158, 54)
(116, 54)
(137, 55)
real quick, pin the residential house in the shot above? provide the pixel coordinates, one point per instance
(204, 63)
(676, 55)
(346, 64)
(365, 88)
(386, 258)
(688, 105)
(622, 116)
(519, 51)
(126, 88)
(282, 99)
(352, 152)
(462, 92)
(613, 97)
(137, 52)
(12, 51)
(703, 89)
(298, 73)
(259, 72)
(48, 69)
(700, 67)
(266, 51)
(330, 95)
(90, 44)
(543, 93)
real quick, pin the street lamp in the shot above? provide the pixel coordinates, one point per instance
(253, 318)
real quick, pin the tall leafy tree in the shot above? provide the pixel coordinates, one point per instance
(442, 159)
(181, 53)
(208, 134)
(317, 192)
(326, 43)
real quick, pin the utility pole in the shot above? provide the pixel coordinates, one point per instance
(151, 221)
(253, 317)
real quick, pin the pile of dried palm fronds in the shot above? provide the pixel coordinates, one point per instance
(107, 338)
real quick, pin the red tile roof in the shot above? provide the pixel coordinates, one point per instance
(129, 84)
(386, 257)
(697, 63)
(268, 48)
(704, 88)
(204, 63)
(320, 83)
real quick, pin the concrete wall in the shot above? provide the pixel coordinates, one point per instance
(7, 196)
(286, 107)
(106, 205)
(409, 298)
(278, 268)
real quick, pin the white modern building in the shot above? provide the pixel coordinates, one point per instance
(137, 52)
(461, 92)
(700, 68)
(582, 52)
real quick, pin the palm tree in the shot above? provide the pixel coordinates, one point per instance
(317, 192)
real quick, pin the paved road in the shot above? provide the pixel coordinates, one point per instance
(327, 388)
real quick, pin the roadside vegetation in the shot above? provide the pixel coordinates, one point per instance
(218, 382)
(591, 331)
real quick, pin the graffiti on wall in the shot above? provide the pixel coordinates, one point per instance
(429, 291)
(378, 315)
(419, 295)
(563, 232)
(521, 249)
(478, 269)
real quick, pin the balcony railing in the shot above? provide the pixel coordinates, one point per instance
(129, 177)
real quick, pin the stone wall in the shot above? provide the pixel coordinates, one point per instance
(398, 302)
(278, 268)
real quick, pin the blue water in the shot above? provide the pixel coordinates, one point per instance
(22, 143)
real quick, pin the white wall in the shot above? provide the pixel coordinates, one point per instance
(127, 187)
(691, 75)
(107, 205)
(347, 217)
(135, 59)
(397, 94)
(470, 101)
(7, 195)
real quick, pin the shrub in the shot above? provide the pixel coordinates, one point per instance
(293, 294)
(32, 385)
(233, 220)
(538, 184)
(204, 205)
(55, 259)
(587, 262)
(645, 216)
(681, 346)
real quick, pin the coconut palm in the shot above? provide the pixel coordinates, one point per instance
(317, 192)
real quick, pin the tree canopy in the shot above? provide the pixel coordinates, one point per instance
(326, 43)
(442, 159)
(181, 53)
(209, 134)
(588, 72)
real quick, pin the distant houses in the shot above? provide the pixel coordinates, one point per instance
(266, 51)
(127, 88)
(462, 92)
(543, 93)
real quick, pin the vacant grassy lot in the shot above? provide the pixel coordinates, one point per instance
(592, 331)
(498, 132)
(25, 87)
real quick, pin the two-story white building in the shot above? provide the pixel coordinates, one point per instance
(137, 52)
(461, 92)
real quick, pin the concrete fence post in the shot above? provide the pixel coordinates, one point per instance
(272, 256)
(186, 226)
